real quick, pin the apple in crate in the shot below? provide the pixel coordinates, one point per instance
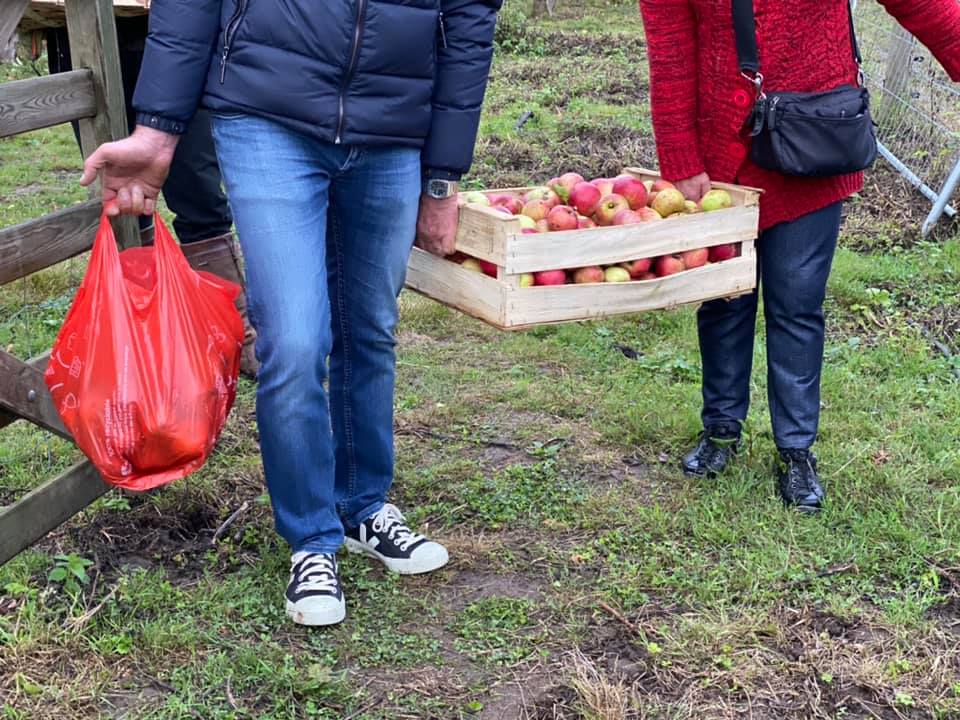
(592, 274)
(661, 184)
(627, 217)
(695, 258)
(692, 207)
(584, 223)
(511, 202)
(648, 275)
(536, 210)
(668, 265)
(669, 201)
(715, 200)
(526, 280)
(647, 214)
(472, 264)
(609, 206)
(527, 222)
(548, 196)
(475, 197)
(543, 226)
(564, 185)
(488, 268)
(550, 277)
(615, 273)
(585, 197)
(562, 217)
(719, 253)
(632, 189)
(636, 268)
(604, 185)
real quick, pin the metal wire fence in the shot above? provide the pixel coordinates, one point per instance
(916, 107)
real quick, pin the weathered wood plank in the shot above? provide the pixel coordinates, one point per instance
(47, 507)
(93, 45)
(44, 101)
(23, 392)
(39, 362)
(11, 11)
(38, 244)
(51, 13)
(470, 292)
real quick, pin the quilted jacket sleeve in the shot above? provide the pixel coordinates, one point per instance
(935, 23)
(671, 31)
(464, 53)
(180, 46)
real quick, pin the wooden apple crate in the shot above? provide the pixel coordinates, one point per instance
(493, 236)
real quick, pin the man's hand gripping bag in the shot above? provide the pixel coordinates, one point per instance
(144, 370)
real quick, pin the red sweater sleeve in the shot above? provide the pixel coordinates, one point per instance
(671, 31)
(935, 23)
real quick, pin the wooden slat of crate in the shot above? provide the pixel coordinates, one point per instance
(471, 292)
(527, 307)
(50, 13)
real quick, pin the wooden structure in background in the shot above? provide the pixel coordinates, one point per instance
(92, 94)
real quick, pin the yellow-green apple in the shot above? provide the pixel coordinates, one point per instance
(669, 201)
(543, 226)
(472, 264)
(627, 217)
(536, 209)
(562, 217)
(550, 277)
(475, 197)
(636, 268)
(691, 207)
(548, 196)
(564, 185)
(668, 265)
(615, 273)
(585, 197)
(632, 189)
(719, 253)
(694, 258)
(604, 185)
(592, 274)
(608, 208)
(526, 280)
(527, 222)
(715, 200)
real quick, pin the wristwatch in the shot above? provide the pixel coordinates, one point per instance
(439, 188)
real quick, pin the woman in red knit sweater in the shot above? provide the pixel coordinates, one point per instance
(700, 102)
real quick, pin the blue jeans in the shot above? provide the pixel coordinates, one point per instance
(326, 232)
(794, 264)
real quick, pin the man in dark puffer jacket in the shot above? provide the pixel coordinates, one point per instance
(342, 128)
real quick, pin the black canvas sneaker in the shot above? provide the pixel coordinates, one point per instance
(386, 537)
(314, 595)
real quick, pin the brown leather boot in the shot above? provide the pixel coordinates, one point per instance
(221, 256)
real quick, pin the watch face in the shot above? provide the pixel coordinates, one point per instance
(439, 188)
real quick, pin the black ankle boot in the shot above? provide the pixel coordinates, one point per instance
(799, 484)
(712, 453)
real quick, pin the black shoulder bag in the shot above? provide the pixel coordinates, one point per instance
(807, 134)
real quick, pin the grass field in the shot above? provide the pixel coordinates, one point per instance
(589, 578)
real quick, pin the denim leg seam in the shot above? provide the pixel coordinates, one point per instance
(345, 341)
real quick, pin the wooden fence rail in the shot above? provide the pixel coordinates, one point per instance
(93, 96)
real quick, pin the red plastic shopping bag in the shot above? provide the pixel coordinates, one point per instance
(144, 370)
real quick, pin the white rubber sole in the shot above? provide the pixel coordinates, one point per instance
(328, 614)
(428, 557)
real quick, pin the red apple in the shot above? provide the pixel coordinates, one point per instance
(694, 258)
(585, 222)
(502, 209)
(545, 194)
(562, 217)
(647, 276)
(585, 197)
(488, 268)
(661, 184)
(592, 274)
(604, 185)
(609, 206)
(472, 264)
(508, 201)
(529, 231)
(526, 280)
(564, 185)
(536, 209)
(615, 273)
(668, 265)
(550, 277)
(647, 214)
(632, 189)
(719, 253)
(636, 268)
(627, 217)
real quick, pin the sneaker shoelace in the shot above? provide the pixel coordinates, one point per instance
(797, 477)
(316, 572)
(389, 520)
